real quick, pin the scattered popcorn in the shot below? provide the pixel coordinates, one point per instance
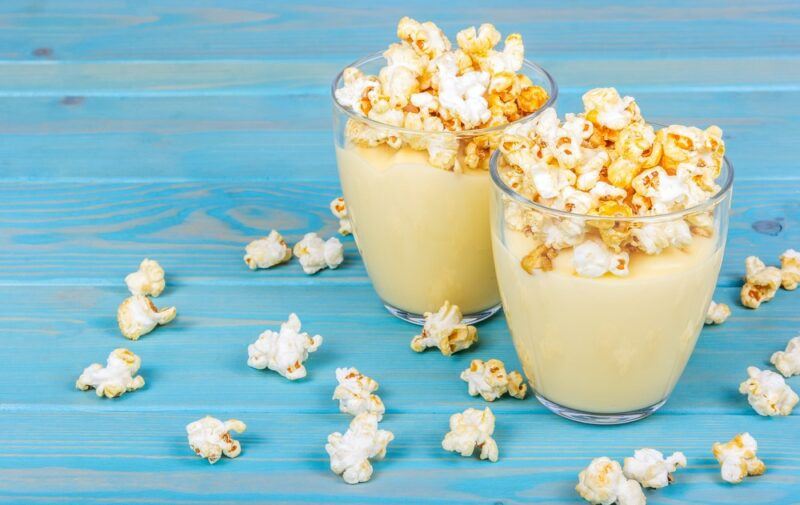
(315, 254)
(737, 458)
(114, 379)
(768, 393)
(717, 313)
(267, 252)
(148, 280)
(443, 329)
(761, 283)
(470, 430)
(603, 483)
(285, 351)
(355, 393)
(137, 316)
(594, 259)
(210, 438)
(790, 269)
(339, 210)
(650, 469)
(788, 362)
(350, 453)
(490, 380)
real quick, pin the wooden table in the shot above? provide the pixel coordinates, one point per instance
(182, 130)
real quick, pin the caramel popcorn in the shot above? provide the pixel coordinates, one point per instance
(603, 483)
(444, 330)
(761, 283)
(651, 469)
(339, 210)
(355, 393)
(768, 393)
(490, 380)
(148, 280)
(137, 316)
(114, 379)
(788, 361)
(470, 430)
(351, 453)
(717, 313)
(267, 252)
(210, 438)
(737, 458)
(790, 269)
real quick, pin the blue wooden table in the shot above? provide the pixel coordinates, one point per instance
(182, 130)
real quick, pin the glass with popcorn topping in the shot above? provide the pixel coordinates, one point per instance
(608, 235)
(414, 129)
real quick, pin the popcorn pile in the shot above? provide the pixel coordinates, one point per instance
(313, 252)
(429, 87)
(607, 162)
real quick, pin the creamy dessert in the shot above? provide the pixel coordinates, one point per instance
(413, 143)
(608, 236)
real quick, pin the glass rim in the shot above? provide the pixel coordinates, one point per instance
(726, 187)
(552, 96)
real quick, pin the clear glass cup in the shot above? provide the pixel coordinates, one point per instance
(610, 349)
(422, 231)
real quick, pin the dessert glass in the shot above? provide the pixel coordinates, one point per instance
(606, 350)
(423, 232)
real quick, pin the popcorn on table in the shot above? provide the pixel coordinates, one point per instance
(351, 453)
(315, 254)
(210, 438)
(444, 329)
(355, 393)
(717, 313)
(651, 469)
(148, 280)
(114, 379)
(737, 458)
(604, 483)
(284, 351)
(470, 430)
(768, 393)
(339, 210)
(790, 269)
(137, 316)
(490, 380)
(788, 362)
(267, 252)
(761, 283)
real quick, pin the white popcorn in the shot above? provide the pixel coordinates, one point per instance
(355, 89)
(603, 483)
(137, 316)
(462, 96)
(650, 469)
(788, 362)
(339, 210)
(350, 453)
(605, 191)
(355, 393)
(490, 380)
(560, 233)
(267, 252)
(315, 254)
(444, 330)
(148, 280)
(605, 107)
(790, 269)
(737, 458)
(717, 313)
(652, 238)
(426, 38)
(470, 430)
(768, 393)
(665, 192)
(550, 182)
(210, 438)
(285, 351)
(594, 259)
(114, 379)
(761, 283)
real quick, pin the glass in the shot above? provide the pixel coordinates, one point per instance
(606, 350)
(422, 231)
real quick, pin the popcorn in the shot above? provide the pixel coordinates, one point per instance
(267, 252)
(137, 316)
(768, 393)
(717, 313)
(354, 393)
(315, 254)
(790, 269)
(603, 483)
(637, 148)
(606, 109)
(788, 362)
(461, 96)
(737, 458)
(339, 210)
(686, 145)
(355, 91)
(490, 380)
(761, 283)
(114, 379)
(666, 193)
(539, 259)
(444, 329)
(399, 78)
(650, 469)
(470, 430)
(594, 259)
(210, 438)
(426, 38)
(350, 453)
(148, 280)
(653, 238)
(285, 351)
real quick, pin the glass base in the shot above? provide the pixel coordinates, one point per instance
(419, 319)
(601, 419)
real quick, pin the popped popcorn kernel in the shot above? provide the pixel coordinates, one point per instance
(137, 315)
(471, 430)
(284, 351)
(690, 146)
(267, 252)
(607, 110)
(444, 330)
(426, 38)
(355, 393)
(539, 259)
(210, 438)
(356, 89)
(351, 453)
(148, 280)
(651, 469)
(717, 313)
(788, 361)
(768, 393)
(339, 211)
(761, 283)
(490, 380)
(790, 269)
(116, 378)
(603, 483)
(316, 254)
(737, 458)
(594, 259)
